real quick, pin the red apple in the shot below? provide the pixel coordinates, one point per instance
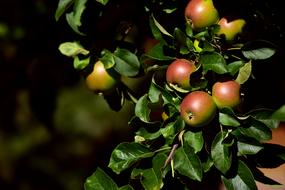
(201, 13)
(226, 94)
(197, 108)
(230, 29)
(179, 71)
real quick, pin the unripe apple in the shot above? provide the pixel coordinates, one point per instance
(198, 108)
(179, 71)
(230, 29)
(99, 80)
(201, 13)
(226, 94)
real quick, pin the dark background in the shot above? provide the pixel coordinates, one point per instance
(53, 131)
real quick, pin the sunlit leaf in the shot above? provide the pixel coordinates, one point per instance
(194, 140)
(244, 73)
(228, 120)
(126, 154)
(235, 66)
(279, 114)
(214, 61)
(245, 148)
(99, 180)
(74, 18)
(103, 2)
(62, 6)
(80, 63)
(141, 109)
(258, 50)
(72, 49)
(161, 29)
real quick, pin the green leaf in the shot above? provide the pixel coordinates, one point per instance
(257, 130)
(62, 6)
(228, 120)
(213, 61)
(259, 54)
(99, 180)
(258, 50)
(142, 132)
(151, 178)
(126, 154)
(194, 140)
(265, 116)
(181, 41)
(279, 114)
(245, 148)
(103, 2)
(157, 53)
(244, 179)
(80, 63)
(127, 63)
(154, 91)
(234, 67)
(72, 49)
(141, 109)
(107, 59)
(187, 163)
(161, 29)
(74, 18)
(221, 153)
(126, 187)
(244, 73)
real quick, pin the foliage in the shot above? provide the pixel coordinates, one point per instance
(232, 145)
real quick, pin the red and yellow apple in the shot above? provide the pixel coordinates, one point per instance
(201, 13)
(198, 108)
(178, 73)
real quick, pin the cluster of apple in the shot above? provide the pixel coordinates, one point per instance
(199, 107)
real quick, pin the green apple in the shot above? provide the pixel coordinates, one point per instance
(226, 94)
(198, 108)
(178, 73)
(230, 29)
(99, 80)
(201, 13)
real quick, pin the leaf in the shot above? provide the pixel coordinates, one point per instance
(234, 67)
(194, 140)
(245, 148)
(126, 187)
(74, 18)
(187, 163)
(142, 132)
(127, 63)
(258, 50)
(72, 49)
(161, 29)
(244, 179)
(279, 114)
(257, 130)
(80, 63)
(259, 176)
(244, 73)
(221, 153)
(228, 120)
(151, 178)
(213, 61)
(103, 2)
(265, 116)
(157, 53)
(126, 154)
(62, 6)
(142, 110)
(99, 180)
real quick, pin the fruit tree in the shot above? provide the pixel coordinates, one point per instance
(196, 73)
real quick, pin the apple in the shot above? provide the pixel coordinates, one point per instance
(226, 93)
(198, 108)
(178, 72)
(99, 80)
(230, 29)
(201, 13)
